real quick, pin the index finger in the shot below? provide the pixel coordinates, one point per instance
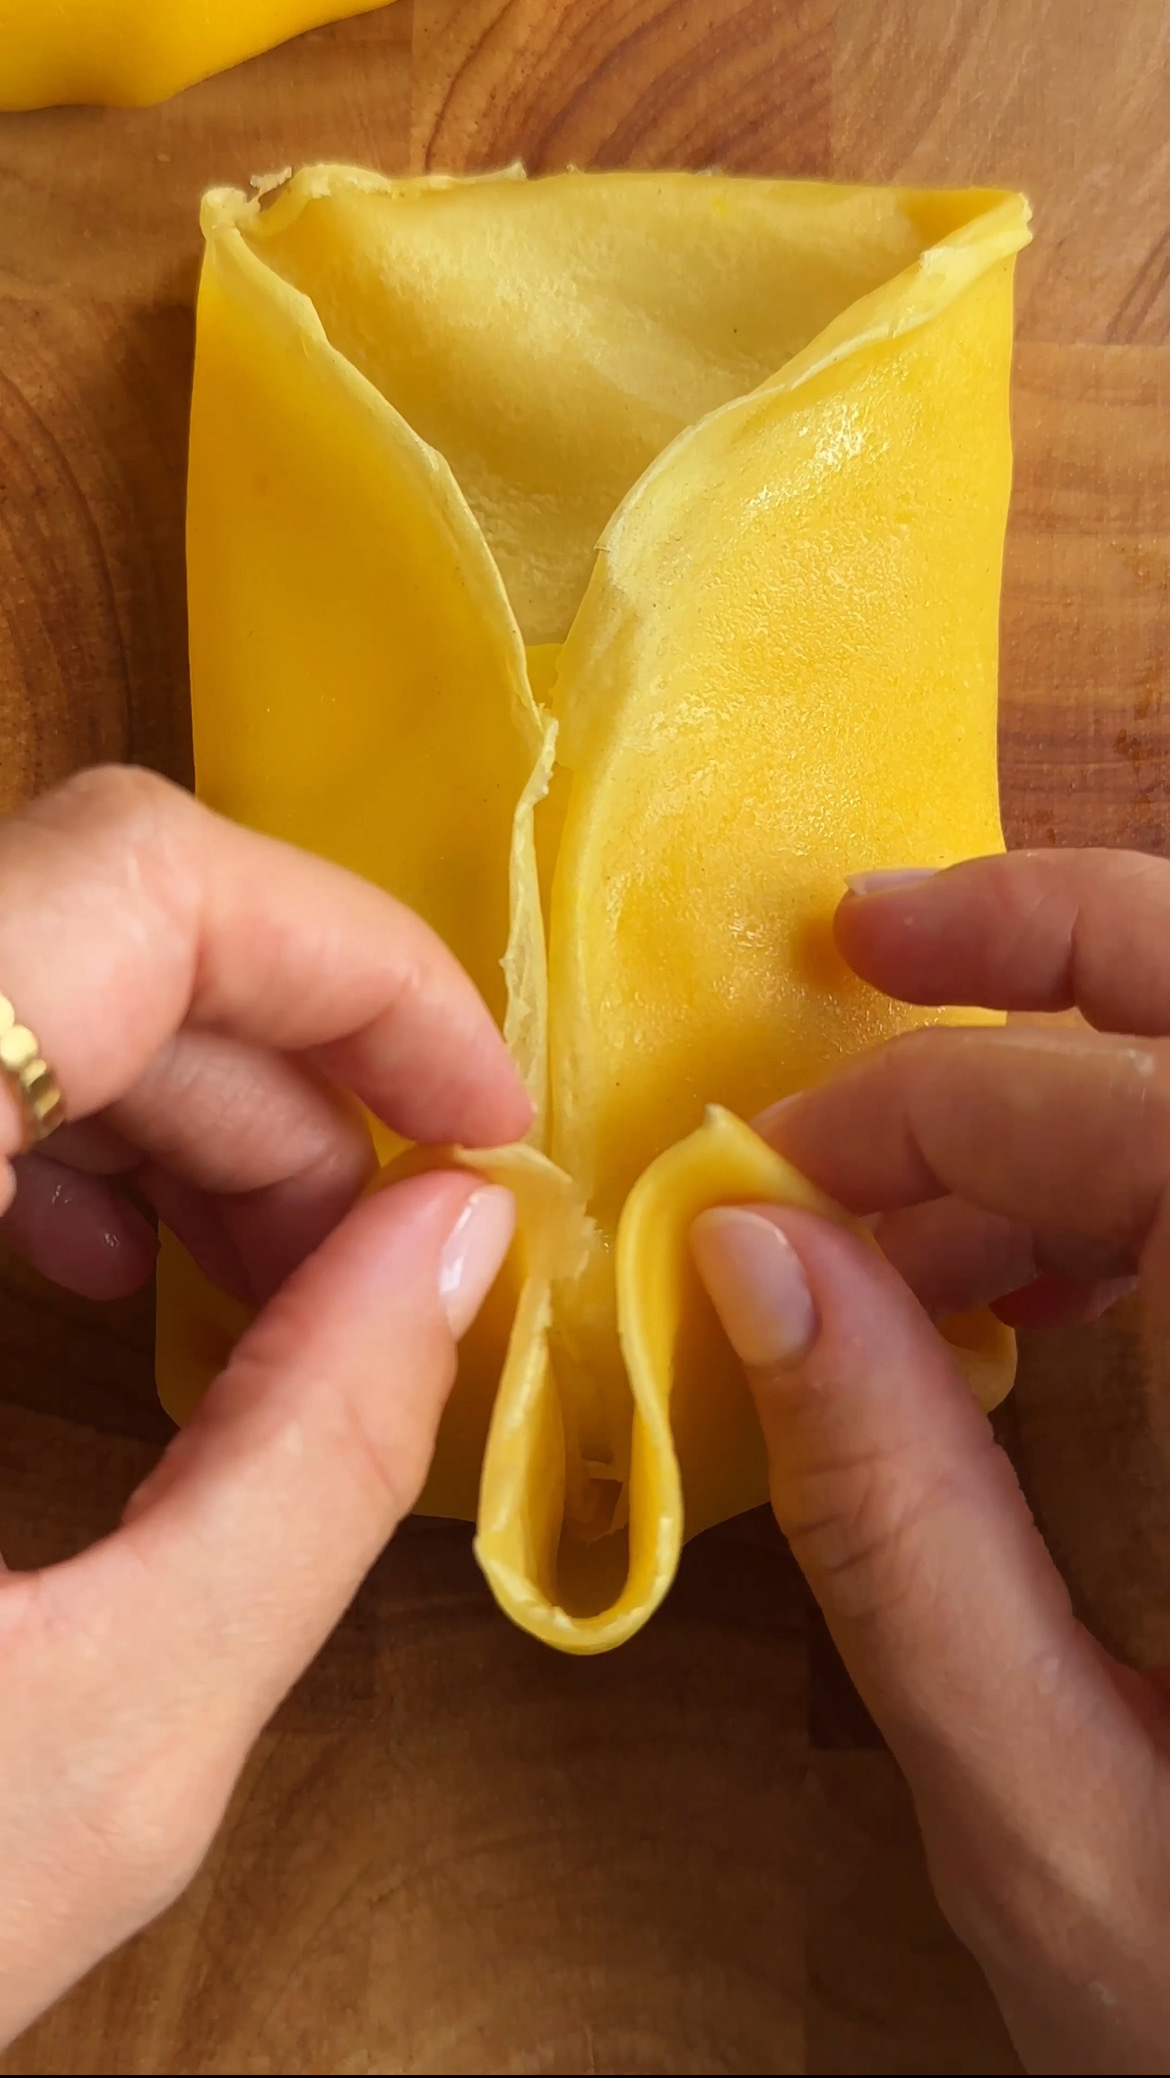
(1067, 1131)
(1034, 930)
(129, 910)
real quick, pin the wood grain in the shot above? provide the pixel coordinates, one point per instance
(1066, 99)
(888, 1988)
(739, 83)
(99, 256)
(453, 1851)
(1086, 627)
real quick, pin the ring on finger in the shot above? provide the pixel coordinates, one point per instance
(30, 1078)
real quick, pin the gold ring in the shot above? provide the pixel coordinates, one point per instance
(29, 1077)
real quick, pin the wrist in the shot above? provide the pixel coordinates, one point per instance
(1070, 1944)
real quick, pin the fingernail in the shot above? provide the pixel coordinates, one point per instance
(756, 1285)
(889, 877)
(474, 1253)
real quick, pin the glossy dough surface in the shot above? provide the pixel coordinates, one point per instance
(606, 565)
(128, 53)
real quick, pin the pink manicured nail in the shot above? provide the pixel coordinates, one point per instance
(889, 877)
(756, 1285)
(474, 1253)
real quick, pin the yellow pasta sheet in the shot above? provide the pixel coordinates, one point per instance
(126, 53)
(606, 564)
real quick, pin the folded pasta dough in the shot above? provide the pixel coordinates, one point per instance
(128, 53)
(625, 780)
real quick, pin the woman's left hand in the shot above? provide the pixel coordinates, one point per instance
(213, 1004)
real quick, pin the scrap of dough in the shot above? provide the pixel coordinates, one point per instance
(129, 53)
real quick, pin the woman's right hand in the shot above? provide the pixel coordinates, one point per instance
(1029, 1161)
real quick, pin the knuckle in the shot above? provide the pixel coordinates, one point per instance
(395, 1468)
(135, 828)
(907, 1051)
(856, 1527)
(1148, 1062)
(144, 1835)
(414, 995)
(123, 795)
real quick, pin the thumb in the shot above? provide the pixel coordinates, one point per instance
(910, 1527)
(148, 1665)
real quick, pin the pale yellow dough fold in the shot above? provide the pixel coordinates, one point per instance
(606, 565)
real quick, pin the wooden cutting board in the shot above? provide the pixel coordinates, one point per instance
(455, 1851)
